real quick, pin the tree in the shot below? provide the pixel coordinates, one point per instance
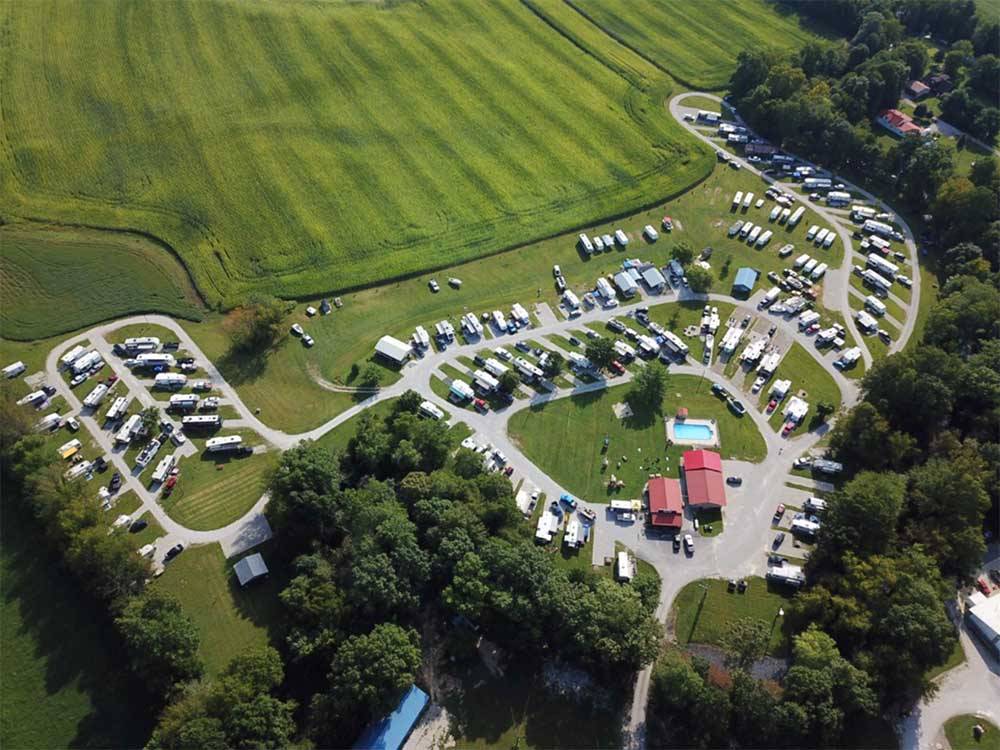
(699, 279)
(302, 493)
(509, 381)
(824, 409)
(369, 376)
(161, 642)
(685, 710)
(962, 210)
(370, 446)
(863, 515)
(467, 463)
(370, 671)
(601, 352)
(953, 62)
(316, 607)
(745, 641)
(257, 325)
(964, 318)
(682, 252)
(149, 418)
(554, 365)
(649, 387)
(984, 76)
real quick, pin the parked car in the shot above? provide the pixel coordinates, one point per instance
(78, 379)
(778, 539)
(803, 462)
(138, 526)
(779, 511)
(772, 405)
(617, 367)
(575, 341)
(593, 334)
(556, 271)
(771, 331)
(523, 347)
(668, 223)
(173, 552)
(734, 481)
(508, 471)
(435, 287)
(101, 464)
(308, 340)
(481, 405)
(689, 544)
(983, 586)
(677, 544)
(73, 424)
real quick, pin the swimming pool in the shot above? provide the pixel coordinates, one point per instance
(685, 431)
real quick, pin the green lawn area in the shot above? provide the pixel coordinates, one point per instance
(703, 102)
(125, 504)
(806, 375)
(135, 330)
(317, 189)
(32, 353)
(956, 657)
(703, 610)
(518, 711)
(565, 437)
(216, 489)
(148, 535)
(59, 279)
(578, 558)
(63, 681)
(958, 730)
(699, 49)
(230, 619)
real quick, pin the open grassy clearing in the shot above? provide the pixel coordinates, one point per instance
(698, 48)
(63, 683)
(215, 489)
(54, 280)
(958, 730)
(565, 437)
(230, 619)
(252, 152)
(703, 610)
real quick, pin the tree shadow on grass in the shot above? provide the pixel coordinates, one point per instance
(240, 367)
(74, 635)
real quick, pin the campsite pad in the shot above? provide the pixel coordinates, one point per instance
(622, 410)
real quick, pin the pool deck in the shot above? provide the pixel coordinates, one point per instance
(710, 442)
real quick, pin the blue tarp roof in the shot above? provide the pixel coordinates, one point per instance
(391, 732)
(745, 279)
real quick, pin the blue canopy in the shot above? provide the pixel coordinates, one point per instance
(745, 280)
(391, 732)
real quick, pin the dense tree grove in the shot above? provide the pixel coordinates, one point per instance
(402, 528)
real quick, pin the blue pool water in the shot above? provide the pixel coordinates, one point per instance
(685, 431)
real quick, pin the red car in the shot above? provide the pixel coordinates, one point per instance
(618, 367)
(983, 586)
(508, 470)
(481, 405)
(112, 380)
(789, 426)
(779, 511)
(772, 404)
(668, 223)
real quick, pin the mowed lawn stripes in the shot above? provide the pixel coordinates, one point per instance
(220, 500)
(301, 148)
(696, 40)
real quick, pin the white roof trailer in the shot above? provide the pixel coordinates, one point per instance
(128, 430)
(875, 279)
(738, 198)
(494, 367)
(764, 238)
(754, 234)
(169, 380)
(72, 356)
(201, 421)
(818, 272)
(672, 342)
(830, 239)
(156, 359)
(86, 361)
(796, 216)
(163, 468)
(875, 305)
(142, 341)
(812, 232)
(96, 396)
(820, 236)
(884, 267)
(586, 244)
(118, 408)
(220, 444)
(748, 200)
(801, 261)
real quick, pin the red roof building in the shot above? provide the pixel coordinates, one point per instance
(703, 478)
(896, 122)
(666, 508)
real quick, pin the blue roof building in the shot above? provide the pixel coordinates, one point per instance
(745, 280)
(391, 732)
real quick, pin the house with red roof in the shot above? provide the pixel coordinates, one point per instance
(666, 506)
(703, 480)
(898, 123)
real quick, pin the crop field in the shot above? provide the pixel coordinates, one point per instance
(54, 280)
(698, 45)
(584, 421)
(299, 148)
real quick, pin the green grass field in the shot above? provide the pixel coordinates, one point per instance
(298, 148)
(703, 610)
(699, 48)
(230, 619)
(215, 490)
(581, 422)
(54, 280)
(958, 730)
(63, 681)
